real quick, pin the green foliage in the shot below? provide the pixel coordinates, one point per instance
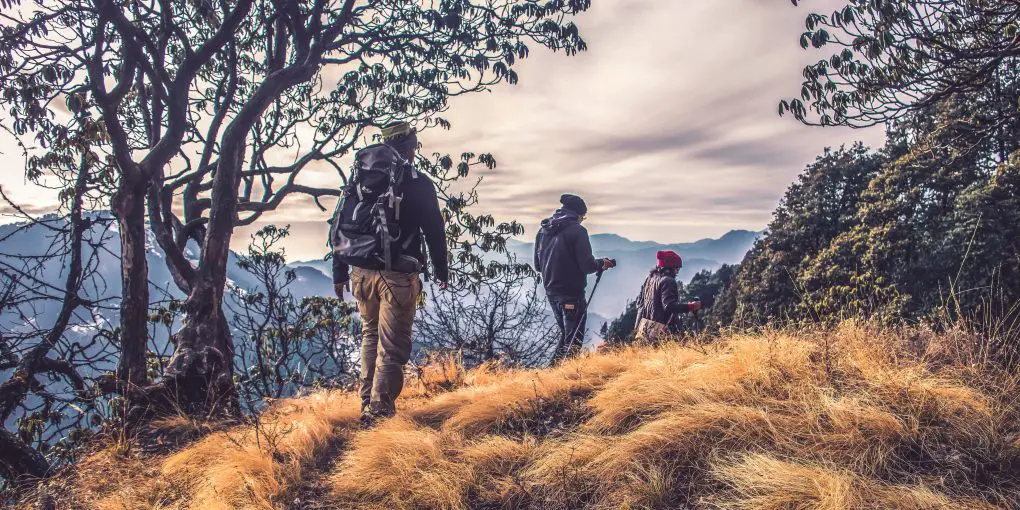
(891, 58)
(706, 285)
(926, 227)
(621, 328)
(817, 208)
(711, 288)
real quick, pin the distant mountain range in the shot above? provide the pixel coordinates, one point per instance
(313, 279)
(728, 249)
(104, 263)
(636, 258)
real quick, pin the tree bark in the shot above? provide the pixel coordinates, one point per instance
(200, 373)
(129, 208)
(20, 462)
(199, 376)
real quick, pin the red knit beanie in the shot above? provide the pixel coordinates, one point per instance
(669, 259)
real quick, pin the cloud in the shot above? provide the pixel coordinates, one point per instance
(8, 209)
(667, 125)
(28, 197)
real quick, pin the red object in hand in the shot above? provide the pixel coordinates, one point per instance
(694, 306)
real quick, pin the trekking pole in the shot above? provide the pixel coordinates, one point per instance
(598, 278)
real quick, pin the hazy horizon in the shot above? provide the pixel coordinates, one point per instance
(667, 126)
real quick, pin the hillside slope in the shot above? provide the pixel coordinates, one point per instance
(853, 418)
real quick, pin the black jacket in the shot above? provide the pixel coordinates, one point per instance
(420, 214)
(563, 255)
(659, 300)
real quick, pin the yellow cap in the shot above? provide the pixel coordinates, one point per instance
(396, 129)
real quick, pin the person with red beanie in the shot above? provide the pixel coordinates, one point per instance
(659, 302)
(668, 259)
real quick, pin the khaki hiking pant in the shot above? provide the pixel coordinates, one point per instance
(386, 301)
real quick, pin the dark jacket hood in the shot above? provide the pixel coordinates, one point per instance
(559, 220)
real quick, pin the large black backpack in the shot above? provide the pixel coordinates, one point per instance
(365, 231)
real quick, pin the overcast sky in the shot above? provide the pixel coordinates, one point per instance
(667, 125)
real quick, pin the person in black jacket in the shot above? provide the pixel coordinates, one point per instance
(659, 302)
(424, 216)
(387, 300)
(563, 256)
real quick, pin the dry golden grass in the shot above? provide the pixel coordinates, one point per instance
(842, 419)
(501, 398)
(180, 425)
(249, 467)
(99, 481)
(765, 482)
(253, 467)
(845, 419)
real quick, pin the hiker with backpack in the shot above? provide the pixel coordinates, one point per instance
(564, 257)
(387, 212)
(658, 304)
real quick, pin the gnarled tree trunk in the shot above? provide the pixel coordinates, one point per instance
(200, 373)
(199, 376)
(20, 462)
(129, 208)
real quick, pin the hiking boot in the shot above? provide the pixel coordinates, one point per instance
(367, 420)
(369, 417)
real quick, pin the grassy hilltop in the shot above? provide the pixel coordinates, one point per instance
(851, 418)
